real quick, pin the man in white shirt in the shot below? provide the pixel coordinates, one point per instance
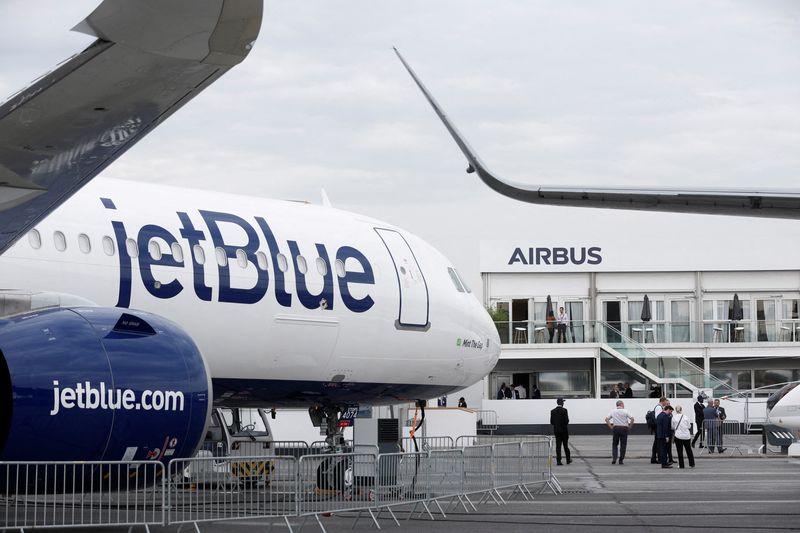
(519, 392)
(619, 421)
(562, 320)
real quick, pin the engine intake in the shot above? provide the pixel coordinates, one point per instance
(99, 384)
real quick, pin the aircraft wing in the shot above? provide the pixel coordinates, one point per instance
(150, 58)
(768, 204)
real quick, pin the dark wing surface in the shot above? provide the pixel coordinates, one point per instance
(768, 204)
(150, 58)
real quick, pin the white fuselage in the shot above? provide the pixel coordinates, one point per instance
(288, 294)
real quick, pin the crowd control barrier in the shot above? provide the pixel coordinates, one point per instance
(280, 487)
(85, 494)
(725, 435)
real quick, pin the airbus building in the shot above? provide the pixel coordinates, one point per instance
(668, 312)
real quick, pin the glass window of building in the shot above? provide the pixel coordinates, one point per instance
(717, 324)
(519, 319)
(680, 325)
(766, 325)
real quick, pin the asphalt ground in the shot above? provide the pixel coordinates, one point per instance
(731, 492)
(739, 492)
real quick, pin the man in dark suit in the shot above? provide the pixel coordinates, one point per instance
(628, 392)
(713, 427)
(721, 416)
(663, 434)
(698, 420)
(559, 418)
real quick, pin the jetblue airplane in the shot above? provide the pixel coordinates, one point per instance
(129, 310)
(784, 405)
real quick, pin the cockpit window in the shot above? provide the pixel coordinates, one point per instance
(454, 278)
(466, 288)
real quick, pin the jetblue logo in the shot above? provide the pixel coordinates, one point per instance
(359, 273)
(557, 256)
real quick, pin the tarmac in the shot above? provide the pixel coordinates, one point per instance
(735, 491)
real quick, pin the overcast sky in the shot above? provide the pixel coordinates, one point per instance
(696, 94)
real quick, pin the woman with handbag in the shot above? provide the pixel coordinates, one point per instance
(683, 429)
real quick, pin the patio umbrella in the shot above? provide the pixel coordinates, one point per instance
(550, 317)
(647, 313)
(737, 313)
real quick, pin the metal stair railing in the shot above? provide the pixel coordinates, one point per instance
(657, 367)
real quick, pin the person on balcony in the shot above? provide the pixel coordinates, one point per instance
(562, 321)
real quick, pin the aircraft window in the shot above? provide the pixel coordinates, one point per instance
(283, 264)
(84, 243)
(261, 259)
(199, 254)
(35, 239)
(339, 266)
(108, 245)
(302, 265)
(60, 241)
(222, 256)
(322, 266)
(131, 247)
(241, 258)
(177, 252)
(154, 249)
(454, 279)
(466, 288)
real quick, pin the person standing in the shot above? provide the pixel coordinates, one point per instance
(462, 403)
(551, 325)
(501, 392)
(614, 392)
(628, 392)
(713, 428)
(721, 416)
(657, 410)
(559, 418)
(698, 420)
(619, 421)
(536, 394)
(663, 434)
(520, 393)
(562, 321)
(682, 430)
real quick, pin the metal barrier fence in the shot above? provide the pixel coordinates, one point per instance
(69, 494)
(335, 483)
(723, 435)
(274, 487)
(211, 489)
(487, 421)
(426, 443)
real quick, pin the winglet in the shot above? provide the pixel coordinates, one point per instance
(474, 162)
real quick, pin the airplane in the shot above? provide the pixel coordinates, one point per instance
(784, 405)
(130, 310)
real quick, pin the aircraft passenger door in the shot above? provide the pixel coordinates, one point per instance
(414, 304)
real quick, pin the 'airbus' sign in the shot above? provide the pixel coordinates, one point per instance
(557, 256)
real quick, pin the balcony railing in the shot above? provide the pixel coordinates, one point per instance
(655, 332)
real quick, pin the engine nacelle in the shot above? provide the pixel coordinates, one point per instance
(99, 384)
